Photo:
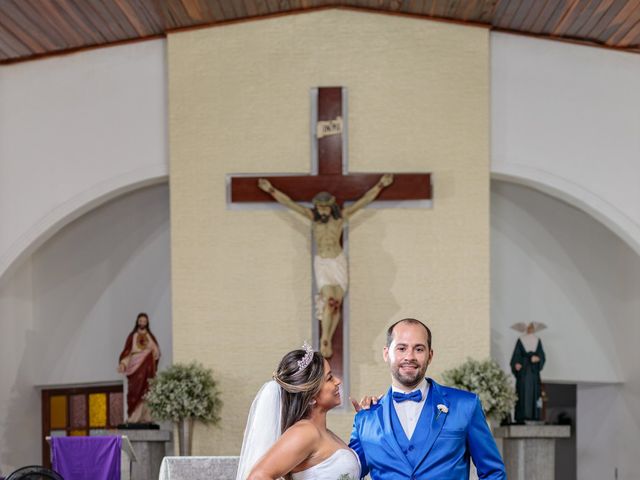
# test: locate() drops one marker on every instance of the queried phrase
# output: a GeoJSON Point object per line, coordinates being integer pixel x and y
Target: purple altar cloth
{"type": "Point", "coordinates": [86, 458]}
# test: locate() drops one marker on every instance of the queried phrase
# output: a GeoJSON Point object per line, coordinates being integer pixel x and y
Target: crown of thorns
{"type": "Point", "coordinates": [324, 199]}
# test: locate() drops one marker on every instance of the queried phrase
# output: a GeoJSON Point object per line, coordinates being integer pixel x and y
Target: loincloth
{"type": "Point", "coordinates": [331, 271]}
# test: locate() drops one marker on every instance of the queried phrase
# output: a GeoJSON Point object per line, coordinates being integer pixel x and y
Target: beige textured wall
{"type": "Point", "coordinates": [239, 102]}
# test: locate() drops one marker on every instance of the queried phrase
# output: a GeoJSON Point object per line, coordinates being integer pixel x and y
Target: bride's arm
{"type": "Point", "coordinates": [291, 449]}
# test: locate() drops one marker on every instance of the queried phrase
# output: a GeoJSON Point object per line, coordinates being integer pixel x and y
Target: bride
{"type": "Point", "coordinates": [286, 433]}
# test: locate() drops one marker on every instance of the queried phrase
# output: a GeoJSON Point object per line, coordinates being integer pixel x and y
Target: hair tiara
{"type": "Point", "coordinates": [306, 360]}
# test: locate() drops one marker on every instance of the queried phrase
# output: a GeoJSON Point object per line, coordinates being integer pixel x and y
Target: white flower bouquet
{"type": "Point", "coordinates": [489, 381]}
{"type": "Point", "coordinates": [185, 391]}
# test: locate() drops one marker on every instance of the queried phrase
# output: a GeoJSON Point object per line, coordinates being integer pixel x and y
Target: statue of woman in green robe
{"type": "Point", "coordinates": [526, 363]}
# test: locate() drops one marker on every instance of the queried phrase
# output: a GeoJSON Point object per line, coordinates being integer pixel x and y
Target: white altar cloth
{"type": "Point", "coordinates": [198, 468]}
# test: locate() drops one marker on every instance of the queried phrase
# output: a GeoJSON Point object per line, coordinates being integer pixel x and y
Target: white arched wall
{"type": "Point", "coordinates": [77, 131]}
{"type": "Point", "coordinates": [554, 263]}
{"type": "Point", "coordinates": [565, 119]}
{"type": "Point", "coordinates": [67, 309]}
{"type": "Point", "coordinates": [573, 194]}
{"type": "Point", "coordinates": [565, 230]}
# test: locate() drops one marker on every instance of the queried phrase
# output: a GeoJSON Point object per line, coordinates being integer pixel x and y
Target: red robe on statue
{"type": "Point", "coordinates": [140, 358]}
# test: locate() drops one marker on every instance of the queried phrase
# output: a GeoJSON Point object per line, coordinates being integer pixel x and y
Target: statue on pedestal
{"type": "Point", "coordinates": [526, 363]}
{"type": "Point", "coordinates": [139, 362]}
{"type": "Point", "coordinates": [330, 263]}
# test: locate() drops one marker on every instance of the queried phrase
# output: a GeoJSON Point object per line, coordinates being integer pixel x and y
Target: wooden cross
{"type": "Point", "coordinates": [331, 178]}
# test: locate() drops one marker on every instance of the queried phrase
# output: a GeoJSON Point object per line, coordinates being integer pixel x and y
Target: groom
{"type": "Point", "coordinates": [419, 429]}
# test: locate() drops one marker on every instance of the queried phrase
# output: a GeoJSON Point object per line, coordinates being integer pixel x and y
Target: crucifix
{"type": "Point", "coordinates": [328, 187]}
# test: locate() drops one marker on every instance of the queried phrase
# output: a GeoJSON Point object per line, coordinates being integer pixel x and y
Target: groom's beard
{"type": "Point", "coordinates": [412, 378]}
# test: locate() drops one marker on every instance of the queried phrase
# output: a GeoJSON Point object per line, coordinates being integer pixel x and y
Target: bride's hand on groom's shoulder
{"type": "Point", "coordinates": [366, 402]}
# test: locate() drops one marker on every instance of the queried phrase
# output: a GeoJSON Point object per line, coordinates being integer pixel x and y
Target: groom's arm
{"type": "Point", "coordinates": [354, 444]}
{"type": "Point", "coordinates": [482, 447]}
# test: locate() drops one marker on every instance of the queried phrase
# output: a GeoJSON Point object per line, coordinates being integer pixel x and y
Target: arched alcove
{"type": "Point", "coordinates": [67, 308]}
{"type": "Point", "coordinates": [555, 263]}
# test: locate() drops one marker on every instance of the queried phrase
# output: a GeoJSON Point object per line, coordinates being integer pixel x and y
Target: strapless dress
{"type": "Point", "coordinates": [343, 464]}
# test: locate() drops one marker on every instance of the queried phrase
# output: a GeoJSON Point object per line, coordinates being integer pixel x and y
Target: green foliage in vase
{"type": "Point", "coordinates": [185, 391]}
{"type": "Point", "coordinates": [489, 381]}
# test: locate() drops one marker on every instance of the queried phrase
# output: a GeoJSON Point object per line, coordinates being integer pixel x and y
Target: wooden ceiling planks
{"type": "Point", "coordinates": [628, 17]}
{"type": "Point", "coordinates": [601, 9]}
{"type": "Point", "coordinates": [43, 23]}
{"type": "Point", "coordinates": [532, 15]}
{"type": "Point", "coordinates": [140, 17]}
{"type": "Point", "coordinates": [569, 15]}
{"type": "Point", "coordinates": [487, 11]}
{"type": "Point", "coordinates": [79, 22]}
{"type": "Point", "coordinates": [523, 9]}
{"type": "Point", "coordinates": [606, 19]}
{"type": "Point", "coordinates": [632, 37]}
{"type": "Point", "coordinates": [24, 32]}
{"type": "Point", "coordinates": [587, 11]}
{"type": "Point", "coordinates": [33, 28]}
{"type": "Point", "coordinates": [11, 46]}
{"type": "Point", "coordinates": [505, 13]}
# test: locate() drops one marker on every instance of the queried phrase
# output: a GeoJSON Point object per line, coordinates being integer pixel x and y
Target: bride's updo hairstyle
{"type": "Point", "coordinates": [300, 376]}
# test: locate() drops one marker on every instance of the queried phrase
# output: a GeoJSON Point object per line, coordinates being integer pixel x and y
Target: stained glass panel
{"type": "Point", "coordinates": [116, 416]}
{"type": "Point", "coordinates": [58, 410]}
{"type": "Point", "coordinates": [78, 411]}
{"type": "Point", "coordinates": [58, 433]}
{"type": "Point", "coordinates": [98, 410]}
{"type": "Point", "coordinates": [78, 433]}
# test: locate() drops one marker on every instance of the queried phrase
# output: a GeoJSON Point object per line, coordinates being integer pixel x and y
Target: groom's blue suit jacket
{"type": "Point", "coordinates": [440, 446]}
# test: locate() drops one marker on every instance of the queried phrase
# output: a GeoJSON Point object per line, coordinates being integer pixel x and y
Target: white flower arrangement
{"type": "Point", "coordinates": [185, 391]}
{"type": "Point", "coordinates": [489, 381]}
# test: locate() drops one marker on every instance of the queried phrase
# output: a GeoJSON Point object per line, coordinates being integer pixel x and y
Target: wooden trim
{"type": "Point", "coordinates": [80, 389]}
{"type": "Point", "coordinates": [46, 428]}
{"type": "Point", "coordinates": [68, 397]}
{"type": "Point", "coordinates": [87, 414]}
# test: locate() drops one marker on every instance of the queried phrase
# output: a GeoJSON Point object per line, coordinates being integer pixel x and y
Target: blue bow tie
{"type": "Point", "coordinates": [414, 396]}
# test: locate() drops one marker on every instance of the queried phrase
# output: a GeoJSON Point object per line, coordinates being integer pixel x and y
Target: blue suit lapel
{"type": "Point", "coordinates": [437, 418]}
{"type": "Point", "coordinates": [384, 416]}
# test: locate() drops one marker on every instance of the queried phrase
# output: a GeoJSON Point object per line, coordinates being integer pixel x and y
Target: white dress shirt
{"type": "Point", "coordinates": [408, 411]}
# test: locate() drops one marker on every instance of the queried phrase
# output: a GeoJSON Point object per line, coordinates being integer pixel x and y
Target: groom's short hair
{"type": "Point", "coordinates": [410, 321]}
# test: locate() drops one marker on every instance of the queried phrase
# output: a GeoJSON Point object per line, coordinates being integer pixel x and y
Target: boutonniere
{"type": "Point", "coordinates": [442, 409]}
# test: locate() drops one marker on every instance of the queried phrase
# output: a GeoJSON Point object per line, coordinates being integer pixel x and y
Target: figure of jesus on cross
{"type": "Point", "coordinates": [329, 212]}
{"type": "Point", "coordinates": [329, 263]}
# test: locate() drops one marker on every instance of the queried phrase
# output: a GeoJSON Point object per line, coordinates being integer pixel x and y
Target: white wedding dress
{"type": "Point", "coordinates": [263, 430]}
{"type": "Point", "coordinates": [343, 464]}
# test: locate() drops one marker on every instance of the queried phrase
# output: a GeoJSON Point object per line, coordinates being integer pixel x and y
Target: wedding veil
{"type": "Point", "coordinates": [263, 427]}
